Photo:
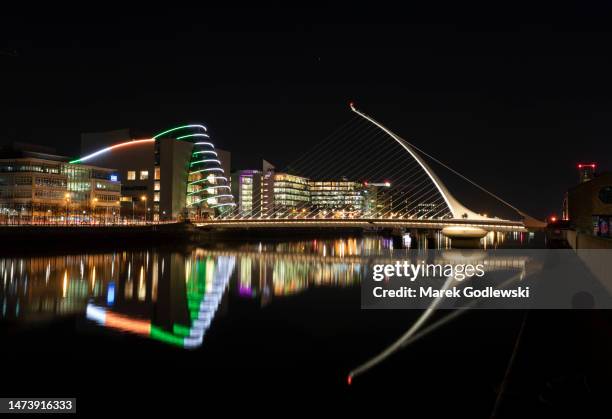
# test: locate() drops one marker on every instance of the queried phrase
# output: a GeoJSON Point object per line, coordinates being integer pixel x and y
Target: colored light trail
{"type": "Point", "coordinates": [206, 287]}
{"type": "Point", "coordinates": [197, 134]}
{"type": "Point", "coordinates": [113, 147]}
{"type": "Point", "coordinates": [179, 128]}
{"type": "Point", "coordinates": [205, 161]}
{"type": "Point", "coordinates": [199, 166]}
{"type": "Point", "coordinates": [209, 188]}
{"type": "Point", "coordinates": [209, 169]}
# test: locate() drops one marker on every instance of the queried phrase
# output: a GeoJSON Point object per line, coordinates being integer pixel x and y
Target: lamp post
{"type": "Point", "coordinates": [67, 196]}
{"type": "Point", "coordinates": [144, 199]}
{"type": "Point", "coordinates": [93, 211]}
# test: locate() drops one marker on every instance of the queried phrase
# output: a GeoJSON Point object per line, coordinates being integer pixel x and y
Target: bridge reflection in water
{"type": "Point", "coordinates": [174, 295]}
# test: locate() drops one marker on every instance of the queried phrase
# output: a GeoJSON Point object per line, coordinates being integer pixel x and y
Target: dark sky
{"type": "Point", "coordinates": [513, 103]}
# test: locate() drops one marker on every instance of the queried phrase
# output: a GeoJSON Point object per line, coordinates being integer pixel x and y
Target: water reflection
{"type": "Point", "coordinates": [174, 295]}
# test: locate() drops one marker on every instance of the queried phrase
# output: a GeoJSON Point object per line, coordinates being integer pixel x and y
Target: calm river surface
{"type": "Point", "coordinates": [262, 315]}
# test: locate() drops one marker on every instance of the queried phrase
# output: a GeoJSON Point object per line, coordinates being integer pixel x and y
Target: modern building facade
{"type": "Point", "coordinates": [377, 199]}
{"type": "Point", "coordinates": [337, 195]}
{"type": "Point", "coordinates": [247, 190]}
{"type": "Point", "coordinates": [176, 174]}
{"type": "Point", "coordinates": [284, 194]}
{"type": "Point", "coordinates": [37, 185]}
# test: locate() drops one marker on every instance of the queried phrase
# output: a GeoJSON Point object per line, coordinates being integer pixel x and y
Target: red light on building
{"type": "Point", "coordinates": [586, 171]}
{"type": "Point", "coordinates": [553, 218]}
{"type": "Point", "coordinates": [349, 379]}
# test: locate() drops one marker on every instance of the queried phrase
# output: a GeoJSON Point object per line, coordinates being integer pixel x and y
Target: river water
{"type": "Point", "coordinates": [241, 315]}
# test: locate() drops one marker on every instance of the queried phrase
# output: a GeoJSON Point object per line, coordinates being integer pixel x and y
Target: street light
{"type": "Point", "coordinates": [67, 196]}
{"type": "Point", "coordinates": [144, 199]}
{"type": "Point", "coordinates": [93, 212]}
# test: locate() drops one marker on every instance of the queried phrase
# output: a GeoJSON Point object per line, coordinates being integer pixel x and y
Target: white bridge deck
{"type": "Point", "coordinates": [492, 224]}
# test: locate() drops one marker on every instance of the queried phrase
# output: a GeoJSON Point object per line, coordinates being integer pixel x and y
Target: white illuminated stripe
{"type": "Point", "coordinates": [223, 205]}
{"type": "Point", "coordinates": [104, 150]}
{"type": "Point", "coordinates": [206, 179]}
{"type": "Point", "coordinates": [208, 188]}
{"type": "Point", "coordinates": [97, 314]}
{"type": "Point", "coordinates": [210, 303]}
{"type": "Point", "coordinates": [206, 161]}
{"type": "Point", "coordinates": [212, 169]}
{"type": "Point", "coordinates": [206, 152]}
{"type": "Point", "coordinates": [193, 135]}
{"type": "Point", "coordinates": [203, 143]}
{"type": "Point", "coordinates": [223, 196]}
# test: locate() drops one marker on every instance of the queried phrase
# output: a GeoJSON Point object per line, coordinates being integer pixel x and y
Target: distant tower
{"type": "Point", "coordinates": [586, 171]}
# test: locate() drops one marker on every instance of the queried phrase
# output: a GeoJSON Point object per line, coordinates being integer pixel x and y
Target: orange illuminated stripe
{"type": "Point", "coordinates": [104, 150]}
{"type": "Point", "coordinates": [117, 321]}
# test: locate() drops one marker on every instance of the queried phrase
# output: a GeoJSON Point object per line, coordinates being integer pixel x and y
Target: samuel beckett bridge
{"type": "Point", "coordinates": [364, 176]}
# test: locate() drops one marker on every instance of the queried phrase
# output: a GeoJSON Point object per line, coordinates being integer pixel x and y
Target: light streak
{"type": "Point", "coordinates": [205, 161]}
{"type": "Point", "coordinates": [208, 188]}
{"type": "Point", "coordinates": [107, 149]}
{"type": "Point", "coordinates": [181, 127]}
{"type": "Point", "coordinates": [194, 135]}
{"type": "Point", "coordinates": [211, 169]}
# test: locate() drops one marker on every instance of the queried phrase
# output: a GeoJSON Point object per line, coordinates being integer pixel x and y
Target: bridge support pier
{"type": "Point", "coordinates": [397, 235]}
{"type": "Point", "coordinates": [464, 237]}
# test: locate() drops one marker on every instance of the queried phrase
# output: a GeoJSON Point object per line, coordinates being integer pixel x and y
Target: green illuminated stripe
{"type": "Point", "coordinates": [178, 128]}
{"type": "Point", "coordinates": [195, 135]}
{"type": "Point", "coordinates": [167, 337]}
{"type": "Point", "coordinates": [180, 330]}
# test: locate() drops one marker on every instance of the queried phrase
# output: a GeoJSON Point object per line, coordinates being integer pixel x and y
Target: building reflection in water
{"type": "Point", "coordinates": [171, 295]}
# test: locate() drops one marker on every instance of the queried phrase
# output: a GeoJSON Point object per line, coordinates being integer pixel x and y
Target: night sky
{"type": "Point", "coordinates": [513, 103]}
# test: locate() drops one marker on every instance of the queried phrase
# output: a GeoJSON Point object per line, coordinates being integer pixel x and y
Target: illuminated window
{"type": "Point", "coordinates": [157, 174]}
{"type": "Point", "coordinates": [131, 175]}
{"type": "Point", "coordinates": [156, 197]}
{"type": "Point", "coordinates": [157, 186]}
{"type": "Point", "coordinates": [144, 174]}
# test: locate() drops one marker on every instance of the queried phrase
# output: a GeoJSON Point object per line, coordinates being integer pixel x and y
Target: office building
{"type": "Point", "coordinates": [337, 195]}
{"type": "Point", "coordinates": [246, 188]}
{"type": "Point", "coordinates": [284, 194]}
{"type": "Point", "coordinates": [377, 199]}
{"type": "Point", "coordinates": [37, 185]}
